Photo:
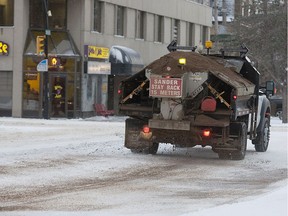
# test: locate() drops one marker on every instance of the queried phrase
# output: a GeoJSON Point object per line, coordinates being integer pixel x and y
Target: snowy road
{"type": "Point", "coordinates": [80, 167]}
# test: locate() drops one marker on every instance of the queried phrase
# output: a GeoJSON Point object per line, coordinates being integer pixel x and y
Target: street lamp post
{"type": "Point", "coordinates": [285, 99]}
{"type": "Point", "coordinates": [45, 74]}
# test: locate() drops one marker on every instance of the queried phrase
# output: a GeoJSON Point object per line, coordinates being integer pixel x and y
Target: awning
{"type": "Point", "coordinates": [124, 55]}
{"type": "Point", "coordinates": [124, 61]}
{"type": "Point", "coordinates": [60, 43]}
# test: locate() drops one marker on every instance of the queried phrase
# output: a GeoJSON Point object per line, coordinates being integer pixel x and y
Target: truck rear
{"type": "Point", "coordinates": [187, 99]}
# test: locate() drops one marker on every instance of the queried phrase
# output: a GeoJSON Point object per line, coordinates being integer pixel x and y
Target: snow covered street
{"type": "Point", "coordinates": [80, 167]}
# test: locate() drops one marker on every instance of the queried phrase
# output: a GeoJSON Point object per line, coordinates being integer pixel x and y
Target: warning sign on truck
{"type": "Point", "coordinates": [165, 87]}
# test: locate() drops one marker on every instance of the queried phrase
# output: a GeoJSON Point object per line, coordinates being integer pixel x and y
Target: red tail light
{"type": "Point", "coordinates": [146, 129]}
{"type": "Point", "coordinates": [206, 133]}
{"type": "Point", "coordinates": [234, 97]}
{"type": "Point", "coordinates": [119, 91]}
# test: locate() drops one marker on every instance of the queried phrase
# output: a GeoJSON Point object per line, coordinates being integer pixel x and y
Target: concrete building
{"type": "Point", "coordinates": [92, 45]}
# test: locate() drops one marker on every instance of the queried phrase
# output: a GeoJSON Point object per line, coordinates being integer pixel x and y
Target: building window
{"type": "Point", "coordinates": [204, 34]}
{"type": "Point", "coordinates": [7, 13]}
{"type": "Point", "coordinates": [140, 17]}
{"type": "Point", "coordinates": [120, 12]}
{"type": "Point", "coordinates": [97, 24]}
{"type": "Point", "coordinates": [158, 28]}
{"type": "Point", "coordinates": [59, 14]}
{"type": "Point", "coordinates": [190, 34]}
{"type": "Point", "coordinates": [6, 93]}
{"type": "Point", "coordinates": [175, 30]}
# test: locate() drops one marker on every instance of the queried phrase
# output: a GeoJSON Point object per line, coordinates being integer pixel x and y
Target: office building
{"type": "Point", "coordinates": [92, 45]}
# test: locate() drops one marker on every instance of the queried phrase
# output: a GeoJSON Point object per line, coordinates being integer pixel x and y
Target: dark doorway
{"type": "Point", "coordinates": [58, 96]}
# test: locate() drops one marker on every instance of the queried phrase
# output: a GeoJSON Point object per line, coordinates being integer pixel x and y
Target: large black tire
{"type": "Point", "coordinates": [224, 155]}
{"type": "Point", "coordinates": [263, 137]}
{"type": "Point", "coordinates": [240, 143]}
{"type": "Point", "coordinates": [150, 150]}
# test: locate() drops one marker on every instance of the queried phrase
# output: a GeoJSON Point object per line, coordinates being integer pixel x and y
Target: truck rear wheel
{"type": "Point", "coordinates": [149, 150]}
{"type": "Point", "coordinates": [224, 155]}
{"type": "Point", "coordinates": [240, 143]}
{"type": "Point", "coordinates": [263, 137]}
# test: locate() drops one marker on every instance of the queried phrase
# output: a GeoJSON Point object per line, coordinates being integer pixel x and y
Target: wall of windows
{"type": "Point", "coordinates": [6, 12]}
{"type": "Point", "coordinates": [131, 23]}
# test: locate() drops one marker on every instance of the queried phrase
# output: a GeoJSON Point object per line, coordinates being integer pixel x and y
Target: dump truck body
{"type": "Point", "coordinates": [208, 101]}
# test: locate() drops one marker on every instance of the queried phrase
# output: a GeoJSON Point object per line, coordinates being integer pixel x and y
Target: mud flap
{"type": "Point", "coordinates": [134, 140]}
{"type": "Point", "coordinates": [237, 149]}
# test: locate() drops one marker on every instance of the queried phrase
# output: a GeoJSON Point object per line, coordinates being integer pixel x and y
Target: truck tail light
{"type": "Point", "coordinates": [206, 133]}
{"type": "Point", "coordinates": [146, 129]}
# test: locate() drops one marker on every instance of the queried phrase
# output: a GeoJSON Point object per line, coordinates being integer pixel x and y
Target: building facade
{"type": "Point", "coordinates": [92, 45]}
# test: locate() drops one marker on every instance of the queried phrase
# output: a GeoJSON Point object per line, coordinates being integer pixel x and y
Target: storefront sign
{"type": "Point", "coordinates": [4, 49]}
{"type": "Point", "coordinates": [95, 67]}
{"type": "Point", "coordinates": [165, 87]}
{"type": "Point", "coordinates": [97, 52]}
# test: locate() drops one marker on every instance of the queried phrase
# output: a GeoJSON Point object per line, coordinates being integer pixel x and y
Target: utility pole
{"type": "Point", "coordinates": [285, 99]}
{"type": "Point", "coordinates": [285, 90]}
{"type": "Point", "coordinates": [224, 12]}
{"type": "Point", "coordinates": [215, 13]}
{"type": "Point", "coordinates": [45, 74]}
{"type": "Point", "coordinates": [238, 9]}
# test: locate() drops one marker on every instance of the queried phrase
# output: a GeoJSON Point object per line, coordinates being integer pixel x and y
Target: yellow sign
{"type": "Point", "coordinates": [208, 44]}
{"type": "Point", "coordinates": [98, 52]}
{"type": "Point", "coordinates": [4, 48]}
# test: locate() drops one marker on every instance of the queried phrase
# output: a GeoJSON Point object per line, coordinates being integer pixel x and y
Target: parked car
{"type": "Point", "coordinates": [276, 105]}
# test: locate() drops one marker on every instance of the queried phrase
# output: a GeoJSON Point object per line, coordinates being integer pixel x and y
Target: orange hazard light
{"type": "Point", "coordinates": [146, 129]}
{"type": "Point", "coordinates": [206, 133]}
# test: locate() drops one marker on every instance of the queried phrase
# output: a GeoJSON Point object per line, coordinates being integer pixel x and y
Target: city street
{"type": "Point", "coordinates": [80, 167]}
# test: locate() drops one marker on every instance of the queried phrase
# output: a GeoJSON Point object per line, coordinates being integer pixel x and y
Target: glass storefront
{"type": "Point", "coordinates": [64, 65]}
{"type": "Point", "coordinates": [63, 77]}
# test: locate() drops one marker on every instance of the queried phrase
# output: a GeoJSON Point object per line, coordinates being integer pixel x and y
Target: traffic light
{"type": "Point", "coordinates": [54, 61]}
{"type": "Point", "coordinates": [40, 45]}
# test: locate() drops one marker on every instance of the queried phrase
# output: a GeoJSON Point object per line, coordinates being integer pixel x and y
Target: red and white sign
{"type": "Point", "coordinates": [165, 87]}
